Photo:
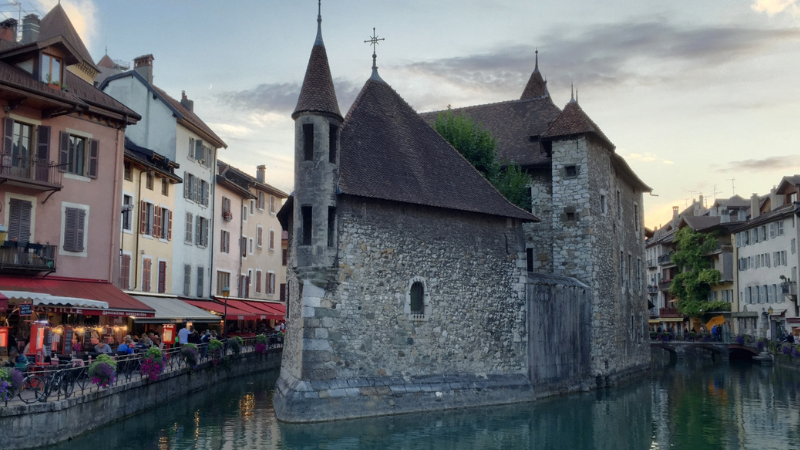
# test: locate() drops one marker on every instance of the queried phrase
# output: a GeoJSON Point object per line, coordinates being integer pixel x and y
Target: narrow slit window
{"type": "Point", "coordinates": [305, 211]}
{"type": "Point", "coordinates": [333, 137]}
{"type": "Point", "coordinates": [417, 298]}
{"type": "Point", "coordinates": [308, 141]}
{"type": "Point", "coordinates": [529, 254]}
{"type": "Point", "coordinates": [572, 171]}
{"type": "Point", "coordinates": [331, 225]}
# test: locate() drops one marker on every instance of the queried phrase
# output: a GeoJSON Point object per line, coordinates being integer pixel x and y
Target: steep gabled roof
{"type": "Point", "coordinates": [318, 94]}
{"type": "Point", "coordinates": [574, 121]}
{"type": "Point", "coordinates": [56, 23]}
{"type": "Point", "coordinates": [536, 87]}
{"type": "Point", "coordinates": [190, 117]}
{"type": "Point", "coordinates": [389, 152]}
{"type": "Point", "coordinates": [515, 125]}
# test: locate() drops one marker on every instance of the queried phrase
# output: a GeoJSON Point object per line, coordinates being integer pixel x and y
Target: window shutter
{"type": "Point", "coordinates": [143, 217]}
{"type": "Point", "coordinates": [70, 223]}
{"type": "Point", "coordinates": [14, 212]}
{"type": "Point", "coordinates": [198, 233]}
{"type": "Point", "coordinates": [198, 151]}
{"type": "Point", "coordinates": [185, 184]}
{"type": "Point", "coordinates": [187, 279]}
{"type": "Point", "coordinates": [79, 235]}
{"type": "Point", "coordinates": [157, 222]}
{"type": "Point", "coordinates": [260, 236]}
{"type": "Point", "coordinates": [125, 272]}
{"type": "Point", "coordinates": [205, 232]}
{"type": "Point", "coordinates": [169, 224]}
{"type": "Point", "coordinates": [196, 195]}
{"type": "Point", "coordinates": [200, 272]}
{"type": "Point", "coordinates": [227, 242]}
{"type": "Point", "coordinates": [207, 189]}
{"type": "Point", "coordinates": [258, 281]}
{"type": "Point", "coordinates": [94, 155]}
{"type": "Point", "coordinates": [63, 159]}
{"type": "Point", "coordinates": [189, 229]}
{"type": "Point", "coordinates": [42, 152]}
{"type": "Point", "coordinates": [8, 135]}
{"type": "Point", "coordinates": [162, 277]}
{"type": "Point", "coordinates": [191, 148]}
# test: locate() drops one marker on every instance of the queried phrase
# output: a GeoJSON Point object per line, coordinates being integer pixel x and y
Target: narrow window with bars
{"type": "Point", "coordinates": [308, 141]}
{"type": "Point", "coordinates": [305, 212]}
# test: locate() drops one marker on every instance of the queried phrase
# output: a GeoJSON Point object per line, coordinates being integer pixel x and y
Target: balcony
{"type": "Point", "coordinates": [665, 259]}
{"type": "Point", "coordinates": [652, 289]}
{"type": "Point", "coordinates": [664, 285]}
{"type": "Point", "coordinates": [653, 312]}
{"type": "Point", "coordinates": [668, 312]}
{"type": "Point", "coordinates": [32, 173]}
{"type": "Point", "coordinates": [789, 288]}
{"type": "Point", "coordinates": [27, 258]}
{"type": "Point", "coordinates": [651, 264]}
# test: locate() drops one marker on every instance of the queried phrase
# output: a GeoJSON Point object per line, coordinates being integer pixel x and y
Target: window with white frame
{"type": "Point", "coordinates": [261, 200]}
{"type": "Point", "coordinates": [225, 242]}
{"type": "Point", "coordinates": [252, 206]}
{"type": "Point", "coordinates": [270, 283]}
{"type": "Point", "coordinates": [259, 236]}
{"type": "Point", "coordinates": [147, 274]}
{"type": "Point", "coordinates": [244, 213]}
{"type": "Point", "coordinates": [189, 233]}
{"type": "Point", "coordinates": [271, 239]}
{"type": "Point", "coordinates": [127, 212]}
{"type": "Point", "coordinates": [272, 204]}
{"type": "Point", "coordinates": [258, 281]}
{"type": "Point", "coordinates": [251, 241]}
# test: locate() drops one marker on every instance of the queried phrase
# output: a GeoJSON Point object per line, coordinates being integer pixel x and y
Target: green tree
{"type": "Point", "coordinates": [695, 278]}
{"type": "Point", "coordinates": [478, 147]}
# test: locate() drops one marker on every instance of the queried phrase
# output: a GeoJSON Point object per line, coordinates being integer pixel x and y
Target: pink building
{"type": "Point", "coordinates": [60, 175]}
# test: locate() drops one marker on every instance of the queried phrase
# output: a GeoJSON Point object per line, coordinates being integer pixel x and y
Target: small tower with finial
{"type": "Point", "coordinates": [317, 123]}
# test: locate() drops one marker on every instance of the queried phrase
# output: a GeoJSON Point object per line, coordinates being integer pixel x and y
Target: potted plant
{"type": "Point", "coordinates": [103, 371]}
{"type": "Point", "coordinates": [216, 349]}
{"type": "Point", "coordinates": [261, 344]}
{"type": "Point", "coordinates": [10, 383]}
{"type": "Point", "coordinates": [190, 355]}
{"type": "Point", "coordinates": [153, 364]}
{"type": "Point", "coordinates": [236, 344]}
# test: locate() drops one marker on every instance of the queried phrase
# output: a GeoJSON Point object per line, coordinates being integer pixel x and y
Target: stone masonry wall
{"type": "Point", "coordinates": [473, 270]}
{"type": "Point", "coordinates": [538, 235]}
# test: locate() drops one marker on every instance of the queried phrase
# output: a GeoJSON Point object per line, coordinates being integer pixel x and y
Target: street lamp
{"type": "Point", "coordinates": [226, 291]}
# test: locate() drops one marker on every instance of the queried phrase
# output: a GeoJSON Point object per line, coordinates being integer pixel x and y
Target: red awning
{"type": "Point", "coordinates": [264, 310]}
{"type": "Point", "coordinates": [119, 303]}
{"type": "Point", "coordinates": [234, 313]}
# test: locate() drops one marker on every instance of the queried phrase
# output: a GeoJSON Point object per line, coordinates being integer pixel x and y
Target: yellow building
{"type": "Point", "coordinates": [148, 199]}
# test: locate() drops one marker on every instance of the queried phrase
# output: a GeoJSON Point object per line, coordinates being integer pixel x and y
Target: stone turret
{"type": "Point", "coordinates": [537, 86]}
{"type": "Point", "coordinates": [317, 124]}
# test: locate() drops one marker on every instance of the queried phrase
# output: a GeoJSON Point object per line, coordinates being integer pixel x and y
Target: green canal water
{"type": "Point", "coordinates": [696, 404]}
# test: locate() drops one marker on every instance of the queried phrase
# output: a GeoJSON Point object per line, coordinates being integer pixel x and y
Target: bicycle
{"type": "Point", "coordinates": [39, 386]}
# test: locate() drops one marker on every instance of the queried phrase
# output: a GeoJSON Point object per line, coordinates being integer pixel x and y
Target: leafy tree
{"type": "Point", "coordinates": [478, 147]}
{"type": "Point", "coordinates": [695, 278]}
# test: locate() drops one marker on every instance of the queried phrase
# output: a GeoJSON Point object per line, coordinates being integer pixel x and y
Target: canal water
{"type": "Point", "coordinates": [695, 404]}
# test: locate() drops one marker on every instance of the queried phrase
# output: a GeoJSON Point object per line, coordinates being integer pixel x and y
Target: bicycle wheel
{"type": "Point", "coordinates": [67, 384]}
{"type": "Point", "coordinates": [32, 389]}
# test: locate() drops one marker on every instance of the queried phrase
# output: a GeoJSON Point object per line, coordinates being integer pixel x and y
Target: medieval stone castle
{"type": "Point", "coordinates": [414, 285]}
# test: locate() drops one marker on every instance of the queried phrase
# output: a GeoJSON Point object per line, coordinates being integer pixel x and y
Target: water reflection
{"type": "Point", "coordinates": [697, 404]}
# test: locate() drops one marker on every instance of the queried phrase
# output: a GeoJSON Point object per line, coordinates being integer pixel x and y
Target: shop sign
{"type": "Point", "coordinates": [68, 341]}
{"type": "Point", "coordinates": [25, 309]}
{"type": "Point", "coordinates": [91, 312]}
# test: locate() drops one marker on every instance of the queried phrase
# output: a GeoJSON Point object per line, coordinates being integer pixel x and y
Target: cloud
{"type": "Point", "coordinates": [772, 163]}
{"type": "Point", "coordinates": [772, 7]}
{"type": "Point", "coordinates": [82, 14]}
{"type": "Point", "coordinates": [281, 98]}
{"type": "Point", "coordinates": [647, 158]}
{"type": "Point", "coordinates": [607, 54]}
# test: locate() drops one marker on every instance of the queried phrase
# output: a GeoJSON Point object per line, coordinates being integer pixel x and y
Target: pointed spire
{"type": "Point", "coordinates": [373, 41]}
{"type": "Point", "coordinates": [536, 87]}
{"type": "Point", "coordinates": [318, 94]}
{"type": "Point", "coordinates": [576, 96]}
{"type": "Point", "coordinates": [319, 24]}
{"type": "Point", "coordinates": [572, 93]}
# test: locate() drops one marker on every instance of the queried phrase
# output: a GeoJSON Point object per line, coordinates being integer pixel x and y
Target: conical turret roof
{"type": "Point", "coordinates": [536, 87]}
{"type": "Point", "coordinates": [389, 152]}
{"type": "Point", "coordinates": [574, 121]}
{"type": "Point", "coordinates": [56, 23]}
{"type": "Point", "coordinates": [318, 94]}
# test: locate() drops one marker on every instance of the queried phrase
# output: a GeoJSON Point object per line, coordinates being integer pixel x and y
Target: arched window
{"type": "Point", "coordinates": [417, 298]}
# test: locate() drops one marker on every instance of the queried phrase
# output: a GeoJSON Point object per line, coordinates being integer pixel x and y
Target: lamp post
{"type": "Point", "coordinates": [226, 291]}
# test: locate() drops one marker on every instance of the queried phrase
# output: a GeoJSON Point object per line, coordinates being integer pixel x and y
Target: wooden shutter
{"type": "Point", "coordinates": [19, 218]}
{"type": "Point", "coordinates": [191, 148]}
{"type": "Point", "coordinates": [70, 223]}
{"type": "Point", "coordinates": [260, 236]}
{"type": "Point", "coordinates": [146, 274]}
{"type": "Point", "coordinates": [258, 281]}
{"type": "Point", "coordinates": [198, 151]}
{"type": "Point", "coordinates": [222, 241]}
{"type": "Point", "coordinates": [205, 232]}
{"type": "Point", "coordinates": [283, 292]}
{"type": "Point", "coordinates": [63, 159]}
{"type": "Point", "coordinates": [186, 184]}
{"type": "Point", "coordinates": [8, 135]}
{"type": "Point", "coordinates": [13, 218]}
{"type": "Point", "coordinates": [198, 232]}
{"type": "Point", "coordinates": [271, 239]}
{"type": "Point", "coordinates": [143, 218]}
{"type": "Point", "coordinates": [157, 231]}
{"type": "Point", "coordinates": [207, 188]}
{"type": "Point", "coordinates": [189, 229]}
{"type": "Point", "coordinates": [187, 279]}
{"type": "Point", "coordinates": [94, 155]}
{"type": "Point", "coordinates": [162, 277]}
{"type": "Point", "coordinates": [169, 224]}
{"type": "Point", "coordinates": [42, 153]}
{"type": "Point", "coordinates": [79, 235]}
{"type": "Point", "coordinates": [125, 272]}
{"type": "Point", "coordinates": [197, 192]}
{"type": "Point", "coordinates": [200, 273]}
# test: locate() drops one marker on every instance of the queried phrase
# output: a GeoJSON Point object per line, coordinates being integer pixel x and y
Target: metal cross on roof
{"type": "Point", "coordinates": [373, 41]}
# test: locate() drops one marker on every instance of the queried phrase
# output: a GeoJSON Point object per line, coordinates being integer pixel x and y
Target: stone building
{"type": "Point", "coordinates": [408, 283]}
{"type": "Point", "coordinates": [590, 205]}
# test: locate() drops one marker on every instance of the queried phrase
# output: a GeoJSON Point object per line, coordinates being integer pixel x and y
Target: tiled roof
{"type": "Point", "coordinates": [698, 223]}
{"type": "Point", "coordinates": [513, 124]}
{"type": "Point", "coordinates": [574, 121]}
{"type": "Point", "coordinates": [252, 180]}
{"type": "Point", "coordinates": [190, 116]}
{"type": "Point", "coordinates": [389, 152]}
{"type": "Point", "coordinates": [734, 202]}
{"type": "Point", "coordinates": [56, 23]}
{"type": "Point", "coordinates": [20, 79]}
{"type": "Point", "coordinates": [106, 62]}
{"type": "Point", "coordinates": [317, 94]}
{"type": "Point", "coordinates": [769, 216]}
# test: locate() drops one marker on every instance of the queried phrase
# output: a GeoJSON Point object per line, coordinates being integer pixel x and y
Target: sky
{"type": "Point", "coordinates": [699, 96]}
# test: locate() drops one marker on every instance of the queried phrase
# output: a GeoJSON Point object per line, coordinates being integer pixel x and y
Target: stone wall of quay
{"type": "Point", "coordinates": [40, 424]}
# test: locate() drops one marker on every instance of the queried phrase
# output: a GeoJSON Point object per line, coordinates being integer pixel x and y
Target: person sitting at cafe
{"type": "Point", "coordinates": [102, 347]}
{"type": "Point", "coordinates": [126, 347]}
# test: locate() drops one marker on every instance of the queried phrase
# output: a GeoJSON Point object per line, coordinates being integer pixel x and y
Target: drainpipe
{"type": "Point", "coordinates": [138, 229]}
{"type": "Point", "coordinates": [241, 250]}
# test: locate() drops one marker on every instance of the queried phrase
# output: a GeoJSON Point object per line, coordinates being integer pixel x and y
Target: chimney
{"type": "Point", "coordinates": [754, 209]}
{"type": "Point", "coordinates": [712, 212]}
{"type": "Point", "coordinates": [775, 200]}
{"type": "Point", "coordinates": [260, 173]}
{"type": "Point", "coordinates": [674, 212]}
{"type": "Point", "coordinates": [30, 29]}
{"type": "Point", "coordinates": [8, 30]}
{"type": "Point", "coordinates": [724, 215]}
{"type": "Point", "coordinates": [188, 104]}
{"type": "Point", "coordinates": [143, 65]}
{"type": "Point", "coordinates": [742, 215]}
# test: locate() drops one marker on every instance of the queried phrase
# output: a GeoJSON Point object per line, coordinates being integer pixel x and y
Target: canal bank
{"type": "Point", "coordinates": [40, 424]}
{"type": "Point", "coordinates": [695, 404]}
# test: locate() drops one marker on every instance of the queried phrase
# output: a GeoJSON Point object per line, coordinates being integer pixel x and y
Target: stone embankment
{"type": "Point", "coordinates": [39, 424]}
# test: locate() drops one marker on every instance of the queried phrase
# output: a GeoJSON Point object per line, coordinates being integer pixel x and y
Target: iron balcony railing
{"type": "Point", "coordinates": [651, 263]}
{"type": "Point", "coordinates": [32, 171]}
{"type": "Point", "coordinates": [16, 256]}
{"type": "Point", "coordinates": [652, 289]}
{"type": "Point", "coordinates": [664, 285]}
{"type": "Point", "coordinates": [668, 312]}
{"type": "Point", "coordinates": [665, 259]}
{"type": "Point", "coordinates": [654, 311]}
